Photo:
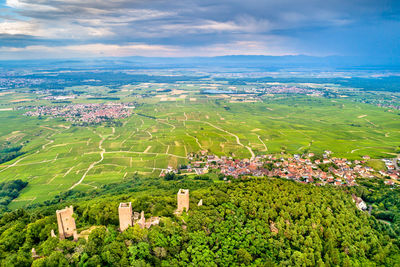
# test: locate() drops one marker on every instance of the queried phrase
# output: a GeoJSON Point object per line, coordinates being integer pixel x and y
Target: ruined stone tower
{"type": "Point", "coordinates": [126, 218]}
{"type": "Point", "coordinates": [66, 223]}
{"type": "Point", "coordinates": [125, 215]}
{"type": "Point", "coordinates": [183, 200]}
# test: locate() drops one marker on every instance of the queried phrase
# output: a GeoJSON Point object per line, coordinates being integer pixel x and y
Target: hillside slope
{"type": "Point", "coordinates": [259, 221]}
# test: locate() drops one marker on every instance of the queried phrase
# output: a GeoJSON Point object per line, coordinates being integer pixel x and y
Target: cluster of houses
{"type": "Point", "coordinates": [393, 106]}
{"type": "Point", "coordinates": [84, 113]}
{"type": "Point", "coordinates": [275, 89]}
{"type": "Point", "coordinates": [283, 89]}
{"type": "Point", "coordinates": [392, 171]}
{"type": "Point", "coordinates": [304, 169]}
{"type": "Point", "coordinates": [8, 81]}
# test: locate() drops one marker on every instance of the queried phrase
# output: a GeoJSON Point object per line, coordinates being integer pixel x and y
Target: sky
{"type": "Point", "coordinates": [32, 29]}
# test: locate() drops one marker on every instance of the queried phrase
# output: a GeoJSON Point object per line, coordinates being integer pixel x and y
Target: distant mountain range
{"type": "Point", "coordinates": [233, 61]}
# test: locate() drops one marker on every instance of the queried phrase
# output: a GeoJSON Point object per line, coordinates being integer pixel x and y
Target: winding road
{"type": "Point", "coordinates": [93, 164]}
{"type": "Point", "coordinates": [232, 134]}
{"type": "Point", "coordinates": [259, 138]}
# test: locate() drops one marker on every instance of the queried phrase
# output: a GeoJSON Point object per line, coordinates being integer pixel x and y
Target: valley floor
{"type": "Point", "coordinates": [60, 156]}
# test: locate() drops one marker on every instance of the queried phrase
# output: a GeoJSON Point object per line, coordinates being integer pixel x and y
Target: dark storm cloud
{"type": "Point", "coordinates": [263, 25]}
{"type": "Point", "coordinates": [22, 40]}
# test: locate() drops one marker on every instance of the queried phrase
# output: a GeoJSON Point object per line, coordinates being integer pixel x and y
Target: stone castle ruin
{"type": "Point", "coordinates": [183, 201]}
{"type": "Point", "coordinates": [127, 218]}
{"type": "Point", "coordinates": [66, 223]}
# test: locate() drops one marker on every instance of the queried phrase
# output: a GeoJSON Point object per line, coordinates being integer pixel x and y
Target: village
{"type": "Point", "coordinates": [84, 113]}
{"type": "Point", "coordinates": [300, 168]}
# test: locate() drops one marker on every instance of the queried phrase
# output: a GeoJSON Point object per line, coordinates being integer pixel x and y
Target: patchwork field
{"type": "Point", "coordinates": [60, 156]}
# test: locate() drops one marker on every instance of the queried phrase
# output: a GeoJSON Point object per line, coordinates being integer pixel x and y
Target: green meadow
{"type": "Point", "coordinates": [159, 134]}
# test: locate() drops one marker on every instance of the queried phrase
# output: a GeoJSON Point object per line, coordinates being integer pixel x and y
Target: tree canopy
{"type": "Point", "coordinates": [254, 221]}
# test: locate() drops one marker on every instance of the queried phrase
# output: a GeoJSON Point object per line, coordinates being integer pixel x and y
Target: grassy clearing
{"type": "Point", "coordinates": [376, 164]}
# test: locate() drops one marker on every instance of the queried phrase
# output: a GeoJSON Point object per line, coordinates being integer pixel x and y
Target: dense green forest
{"type": "Point", "coordinates": [9, 191]}
{"type": "Point", "coordinates": [384, 200]}
{"type": "Point", "coordinates": [259, 221]}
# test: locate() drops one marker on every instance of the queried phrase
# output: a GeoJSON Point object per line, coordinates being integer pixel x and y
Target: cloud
{"type": "Point", "coordinates": [141, 49]}
{"type": "Point", "coordinates": [88, 50]}
{"type": "Point", "coordinates": [205, 26]}
{"type": "Point", "coordinates": [17, 4]}
{"type": "Point", "coordinates": [16, 27]}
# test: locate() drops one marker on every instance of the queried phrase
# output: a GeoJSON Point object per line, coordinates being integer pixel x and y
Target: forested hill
{"type": "Point", "coordinates": [258, 221]}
